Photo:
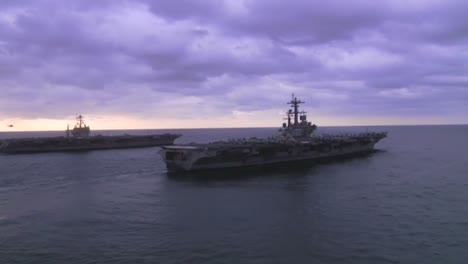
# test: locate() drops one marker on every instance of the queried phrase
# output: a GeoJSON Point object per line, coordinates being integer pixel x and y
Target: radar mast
{"type": "Point", "coordinates": [300, 128]}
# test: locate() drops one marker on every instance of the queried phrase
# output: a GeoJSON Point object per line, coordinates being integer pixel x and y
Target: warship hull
{"type": "Point", "coordinates": [196, 158]}
{"type": "Point", "coordinates": [65, 144]}
{"type": "Point", "coordinates": [294, 144]}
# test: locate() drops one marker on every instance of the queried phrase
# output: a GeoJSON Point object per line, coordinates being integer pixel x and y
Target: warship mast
{"type": "Point", "coordinates": [294, 104]}
{"type": "Point", "coordinates": [301, 128]}
{"type": "Point", "coordinates": [81, 130]}
{"type": "Point", "coordinates": [80, 122]}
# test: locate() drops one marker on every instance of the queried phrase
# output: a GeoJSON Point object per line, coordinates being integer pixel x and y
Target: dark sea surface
{"type": "Point", "coordinates": [405, 204]}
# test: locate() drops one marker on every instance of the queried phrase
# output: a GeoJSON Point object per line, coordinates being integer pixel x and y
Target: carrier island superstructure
{"type": "Point", "coordinates": [295, 142]}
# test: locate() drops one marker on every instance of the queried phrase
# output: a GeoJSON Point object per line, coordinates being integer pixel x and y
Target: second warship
{"type": "Point", "coordinates": [79, 139]}
{"type": "Point", "coordinates": [295, 143]}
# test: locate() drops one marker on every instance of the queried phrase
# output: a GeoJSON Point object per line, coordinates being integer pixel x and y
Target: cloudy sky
{"type": "Point", "coordinates": [231, 63]}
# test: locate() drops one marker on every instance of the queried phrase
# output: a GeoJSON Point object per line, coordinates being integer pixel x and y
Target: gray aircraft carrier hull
{"type": "Point", "coordinates": [64, 144]}
{"type": "Point", "coordinates": [200, 158]}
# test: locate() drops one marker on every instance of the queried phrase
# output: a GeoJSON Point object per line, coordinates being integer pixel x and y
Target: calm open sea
{"type": "Point", "coordinates": [405, 204]}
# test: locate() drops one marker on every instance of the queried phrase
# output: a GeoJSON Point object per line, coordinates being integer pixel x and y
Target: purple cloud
{"type": "Point", "coordinates": [365, 58]}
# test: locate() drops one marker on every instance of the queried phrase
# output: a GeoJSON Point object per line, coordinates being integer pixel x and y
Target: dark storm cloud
{"type": "Point", "coordinates": [297, 22]}
{"type": "Point", "coordinates": [356, 57]}
{"type": "Point", "coordinates": [187, 9]}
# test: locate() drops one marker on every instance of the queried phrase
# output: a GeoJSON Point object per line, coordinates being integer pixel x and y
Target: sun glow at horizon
{"type": "Point", "coordinates": [236, 119]}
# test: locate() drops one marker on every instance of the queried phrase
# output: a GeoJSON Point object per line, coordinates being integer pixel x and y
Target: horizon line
{"type": "Point", "coordinates": [187, 128]}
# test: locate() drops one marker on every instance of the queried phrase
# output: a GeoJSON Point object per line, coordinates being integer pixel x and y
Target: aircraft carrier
{"type": "Point", "coordinates": [79, 139]}
{"type": "Point", "coordinates": [295, 142]}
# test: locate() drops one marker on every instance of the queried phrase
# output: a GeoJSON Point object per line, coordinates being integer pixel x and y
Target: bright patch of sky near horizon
{"type": "Point", "coordinates": [188, 63]}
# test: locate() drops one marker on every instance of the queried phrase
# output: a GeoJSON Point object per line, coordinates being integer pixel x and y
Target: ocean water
{"type": "Point", "coordinates": [407, 203]}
